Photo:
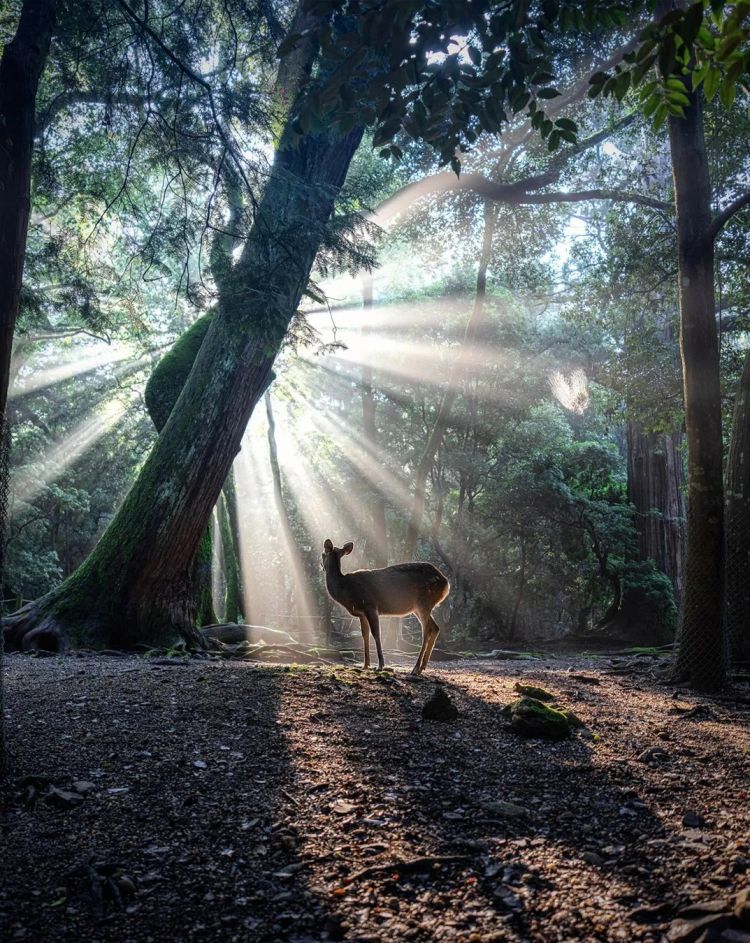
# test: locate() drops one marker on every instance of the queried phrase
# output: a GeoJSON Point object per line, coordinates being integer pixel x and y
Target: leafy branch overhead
{"type": "Point", "coordinates": [443, 73]}
{"type": "Point", "coordinates": [705, 45]}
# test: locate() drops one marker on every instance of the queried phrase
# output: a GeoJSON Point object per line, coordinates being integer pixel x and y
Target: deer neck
{"type": "Point", "coordinates": [335, 579]}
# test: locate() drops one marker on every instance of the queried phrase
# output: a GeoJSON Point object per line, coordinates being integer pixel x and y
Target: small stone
{"type": "Point", "coordinates": [742, 907]}
{"type": "Point", "coordinates": [651, 914]}
{"type": "Point", "coordinates": [83, 786]}
{"type": "Point", "coordinates": [199, 764]}
{"type": "Point", "coordinates": [343, 807]}
{"type": "Point", "coordinates": [703, 908]}
{"type": "Point", "coordinates": [62, 798]}
{"type": "Point", "coordinates": [689, 931]}
{"type": "Point", "coordinates": [591, 857]}
{"type": "Point", "coordinates": [653, 755]}
{"type": "Point", "coordinates": [507, 809]}
{"type": "Point", "coordinates": [440, 707]}
{"type": "Point", "coordinates": [693, 820]}
{"type": "Point", "coordinates": [739, 864]}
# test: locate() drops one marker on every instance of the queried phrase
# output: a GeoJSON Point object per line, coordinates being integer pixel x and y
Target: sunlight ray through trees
{"type": "Point", "coordinates": [61, 455]}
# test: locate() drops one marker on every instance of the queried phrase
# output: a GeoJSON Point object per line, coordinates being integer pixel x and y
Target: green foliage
{"type": "Point", "coordinates": [443, 73]}
{"type": "Point", "coordinates": [705, 45]}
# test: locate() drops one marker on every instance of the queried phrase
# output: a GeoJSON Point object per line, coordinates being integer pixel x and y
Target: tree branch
{"type": "Point", "coordinates": [721, 219]}
{"type": "Point", "coordinates": [515, 194]}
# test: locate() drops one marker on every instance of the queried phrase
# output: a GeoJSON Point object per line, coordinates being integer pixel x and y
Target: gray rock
{"type": "Point", "coordinates": [83, 787]}
{"type": "Point", "coordinates": [62, 798]}
{"type": "Point", "coordinates": [689, 931]}
{"type": "Point", "coordinates": [742, 907]}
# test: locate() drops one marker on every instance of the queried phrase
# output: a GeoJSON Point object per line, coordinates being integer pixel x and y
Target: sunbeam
{"type": "Point", "coordinates": [76, 362]}
{"type": "Point", "coordinates": [31, 479]}
{"type": "Point", "coordinates": [277, 584]}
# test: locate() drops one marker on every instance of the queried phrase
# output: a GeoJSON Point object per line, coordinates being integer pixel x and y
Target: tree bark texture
{"type": "Point", "coordinates": [21, 69]}
{"type": "Point", "coordinates": [229, 524]}
{"type": "Point", "coordinates": [136, 581]}
{"type": "Point", "coordinates": [738, 524]}
{"type": "Point", "coordinates": [162, 392]}
{"type": "Point", "coordinates": [702, 657]}
{"type": "Point", "coordinates": [655, 489]}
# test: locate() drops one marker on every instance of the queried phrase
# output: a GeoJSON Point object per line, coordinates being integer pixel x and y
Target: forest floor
{"type": "Point", "coordinates": [201, 800]}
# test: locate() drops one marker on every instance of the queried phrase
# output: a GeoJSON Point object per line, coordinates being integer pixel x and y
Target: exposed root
{"type": "Point", "coordinates": [29, 629]}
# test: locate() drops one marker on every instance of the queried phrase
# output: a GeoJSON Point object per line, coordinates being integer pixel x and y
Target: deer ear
{"type": "Point", "coordinates": [328, 546]}
{"type": "Point", "coordinates": [347, 548]}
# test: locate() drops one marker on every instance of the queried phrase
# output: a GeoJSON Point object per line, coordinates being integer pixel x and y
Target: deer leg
{"type": "Point", "coordinates": [374, 620]}
{"type": "Point", "coordinates": [424, 622]}
{"type": "Point", "coordinates": [433, 630]}
{"type": "Point", "coordinates": [365, 626]}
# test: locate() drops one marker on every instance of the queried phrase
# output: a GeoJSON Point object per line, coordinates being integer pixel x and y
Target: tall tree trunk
{"type": "Point", "coordinates": [235, 601]}
{"type": "Point", "coordinates": [21, 68]}
{"type": "Point", "coordinates": [655, 482]}
{"type": "Point", "coordinates": [702, 658]}
{"type": "Point", "coordinates": [520, 591]}
{"type": "Point", "coordinates": [162, 392]}
{"type": "Point", "coordinates": [299, 575]}
{"type": "Point", "coordinates": [442, 418]}
{"type": "Point", "coordinates": [738, 524]}
{"type": "Point", "coordinates": [378, 541]}
{"type": "Point", "coordinates": [136, 582]}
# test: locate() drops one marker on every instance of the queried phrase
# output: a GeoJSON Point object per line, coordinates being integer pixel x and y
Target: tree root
{"type": "Point", "coordinates": [29, 629]}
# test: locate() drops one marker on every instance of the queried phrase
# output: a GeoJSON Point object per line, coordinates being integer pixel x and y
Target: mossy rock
{"type": "Point", "coordinates": [530, 690]}
{"type": "Point", "coordinates": [529, 717]}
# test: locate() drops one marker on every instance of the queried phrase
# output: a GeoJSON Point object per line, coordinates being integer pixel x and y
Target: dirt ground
{"type": "Point", "coordinates": [202, 800]}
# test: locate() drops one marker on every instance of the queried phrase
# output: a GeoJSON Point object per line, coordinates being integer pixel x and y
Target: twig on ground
{"type": "Point", "coordinates": [404, 867]}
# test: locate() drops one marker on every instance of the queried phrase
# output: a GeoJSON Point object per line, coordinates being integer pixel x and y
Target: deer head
{"type": "Point", "coordinates": [331, 556]}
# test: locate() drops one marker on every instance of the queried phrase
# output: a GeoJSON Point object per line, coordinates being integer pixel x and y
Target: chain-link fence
{"type": "Point", "coordinates": [738, 579]}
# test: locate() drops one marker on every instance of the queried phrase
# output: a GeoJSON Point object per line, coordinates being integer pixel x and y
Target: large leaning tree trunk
{"type": "Point", "coordinates": [655, 483]}
{"type": "Point", "coordinates": [738, 525]}
{"type": "Point", "coordinates": [702, 658]}
{"type": "Point", "coordinates": [135, 585]}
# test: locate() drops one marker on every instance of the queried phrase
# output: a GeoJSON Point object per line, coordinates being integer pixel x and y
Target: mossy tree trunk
{"type": "Point", "coordinates": [162, 392]}
{"type": "Point", "coordinates": [234, 605]}
{"type": "Point", "coordinates": [136, 583]}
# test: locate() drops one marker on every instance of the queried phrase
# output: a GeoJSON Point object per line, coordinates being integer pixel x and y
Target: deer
{"type": "Point", "coordinates": [400, 590]}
